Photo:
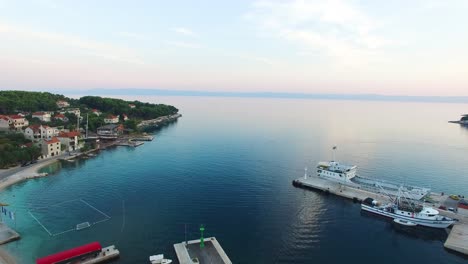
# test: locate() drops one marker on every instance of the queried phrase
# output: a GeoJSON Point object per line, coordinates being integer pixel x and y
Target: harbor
{"type": "Point", "coordinates": [457, 240]}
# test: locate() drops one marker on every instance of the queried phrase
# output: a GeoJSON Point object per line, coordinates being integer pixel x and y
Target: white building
{"type": "Point", "coordinates": [132, 106]}
{"type": "Point", "coordinates": [125, 117]}
{"type": "Point", "coordinates": [70, 140]}
{"type": "Point", "coordinates": [50, 148]}
{"type": "Point", "coordinates": [62, 104]}
{"type": "Point", "coordinates": [111, 119]}
{"type": "Point", "coordinates": [4, 123]}
{"type": "Point", "coordinates": [38, 132]}
{"type": "Point", "coordinates": [43, 116]}
{"type": "Point", "coordinates": [17, 121]}
{"type": "Point", "coordinates": [96, 112]}
{"type": "Point", "coordinates": [75, 111]}
{"type": "Point", "coordinates": [61, 117]}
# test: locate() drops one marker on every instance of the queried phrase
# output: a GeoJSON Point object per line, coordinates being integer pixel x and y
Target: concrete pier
{"type": "Point", "coordinates": [7, 234]}
{"type": "Point", "coordinates": [106, 254]}
{"type": "Point", "coordinates": [191, 253]}
{"type": "Point", "coordinates": [457, 239]}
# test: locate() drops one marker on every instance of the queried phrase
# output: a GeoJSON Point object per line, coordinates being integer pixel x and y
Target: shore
{"type": "Point", "coordinates": [29, 172]}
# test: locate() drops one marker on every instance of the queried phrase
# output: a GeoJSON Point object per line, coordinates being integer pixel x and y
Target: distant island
{"type": "Point", "coordinates": [35, 125]}
{"type": "Point", "coordinates": [463, 120]}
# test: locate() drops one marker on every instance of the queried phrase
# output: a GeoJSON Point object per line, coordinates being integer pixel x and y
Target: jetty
{"type": "Point", "coordinates": [458, 236]}
{"type": "Point", "coordinates": [207, 250]}
{"type": "Point", "coordinates": [7, 234]}
{"type": "Point", "coordinates": [158, 121]}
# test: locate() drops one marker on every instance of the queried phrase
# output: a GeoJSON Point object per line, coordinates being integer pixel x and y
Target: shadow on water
{"type": "Point", "coordinates": [416, 232]}
{"type": "Point", "coordinates": [162, 127]}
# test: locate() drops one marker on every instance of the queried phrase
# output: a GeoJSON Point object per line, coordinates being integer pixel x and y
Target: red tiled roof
{"type": "Point", "coordinates": [95, 110]}
{"type": "Point", "coordinates": [52, 141]}
{"type": "Point", "coordinates": [69, 134]}
{"type": "Point", "coordinates": [16, 117]}
{"type": "Point", "coordinates": [59, 116]}
{"type": "Point", "coordinates": [4, 117]}
{"type": "Point", "coordinates": [70, 253]}
{"type": "Point", "coordinates": [38, 114]}
{"type": "Point", "coordinates": [111, 117]}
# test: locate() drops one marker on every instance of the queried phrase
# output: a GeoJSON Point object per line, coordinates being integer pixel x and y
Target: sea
{"type": "Point", "coordinates": [228, 164]}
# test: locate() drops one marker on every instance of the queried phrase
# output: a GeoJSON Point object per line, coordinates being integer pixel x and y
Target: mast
{"type": "Point", "coordinates": [334, 150]}
{"type": "Point", "coordinates": [305, 173]}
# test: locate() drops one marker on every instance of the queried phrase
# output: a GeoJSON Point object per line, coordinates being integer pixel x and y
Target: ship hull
{"type": "Point", "coordinates": [419, 221]}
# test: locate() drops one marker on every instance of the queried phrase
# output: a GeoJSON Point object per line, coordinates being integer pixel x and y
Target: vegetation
{"type": "Point", "coordinates": [11, 152]}
{"type": "Point", "coordinates": [14, 101]}
{"type": "Point", "coordinates": [120, 107]}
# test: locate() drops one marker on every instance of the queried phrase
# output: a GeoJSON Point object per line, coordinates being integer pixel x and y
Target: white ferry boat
{"type": "Point", "coordinates": [408, 212]}
{"type": "Point", "coordinates": [347, 175]}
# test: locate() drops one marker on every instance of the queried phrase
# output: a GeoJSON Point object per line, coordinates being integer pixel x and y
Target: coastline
{"type": "Point", "coordinates": [30, 172]}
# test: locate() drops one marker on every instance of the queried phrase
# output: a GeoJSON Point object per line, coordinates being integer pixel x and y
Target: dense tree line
{"type": "Point", "coordinates": [119, 107]}
{"type": "Point", "coordinates": [14, 101]}
{"type": "Point", "coordinates": [12, 154]}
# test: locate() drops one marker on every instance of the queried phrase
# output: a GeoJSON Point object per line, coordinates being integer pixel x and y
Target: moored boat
{"type": "Point", "coordinates": [404, 222]}
{"type": "Point", "coordinates": [409, 211]}
{"type": "Point", "coordinates": [159, 259]}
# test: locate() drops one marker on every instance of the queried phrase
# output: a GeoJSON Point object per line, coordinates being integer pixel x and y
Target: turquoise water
{"type": "Point", "coordinates": [228, 163]}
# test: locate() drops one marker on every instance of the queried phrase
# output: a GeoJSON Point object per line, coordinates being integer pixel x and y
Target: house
{"type": "Point", "coordinates": [75, 111]}
{"type": "Point", "coordinates": [111, 131]}
{"type": "Point", "coordinates": [70, 140]}
{"type": "Point", "coordinates": [50, 147]}
{"type": "Point", "coordinates": [38, 132]}
{"type": "Point", "coordinates": [43, 116]}
{"type": "Point", "coordinates": [4, 123]}
{"type": "Point", "coordinates": [26, 145]}
{"type": "Point", "coordinates": [132, 106]}
{"type": "Point", "coordinates": [125, 117]}
{"type": "Point", "coordinates": [61, 117]}
{"type": "Point", "coordinates": [111, 119]}
{"type": "Point", "coordinates": [62, 104]}
{"type": "Point", "coordinates": [96, 112]}
{"type": "Point", "coordinates": [17, 121]}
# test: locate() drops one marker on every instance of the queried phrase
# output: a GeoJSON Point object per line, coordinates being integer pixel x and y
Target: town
{"type": "Point", "coordinates": [71, 128]}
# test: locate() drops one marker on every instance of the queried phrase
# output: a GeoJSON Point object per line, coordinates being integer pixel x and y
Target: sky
{"type": "Point", "coordinates": [417, 47]}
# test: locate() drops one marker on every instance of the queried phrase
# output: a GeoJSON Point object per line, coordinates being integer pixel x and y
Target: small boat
{"type": "Point", "coordinates": [159, 259]}
{"type": "Point", "coordinates": [404, 222]}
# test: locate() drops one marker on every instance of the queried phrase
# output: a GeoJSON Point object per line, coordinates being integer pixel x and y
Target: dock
{"type": "Point", "coordinates": [7, 234]}
{"type": "Point", "coordinates": [106, 254]}
{"type": "Point", "coordinates": [191, 252]}
{"type": "Point", "coordinates": [457, 239]}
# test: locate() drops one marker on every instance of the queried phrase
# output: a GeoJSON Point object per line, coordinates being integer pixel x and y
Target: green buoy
{"type": "Point", "coordinates": [202, 241]}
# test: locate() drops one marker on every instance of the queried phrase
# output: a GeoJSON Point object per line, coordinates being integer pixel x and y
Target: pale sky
{"type": "Point", "coordinates": [398, 47]}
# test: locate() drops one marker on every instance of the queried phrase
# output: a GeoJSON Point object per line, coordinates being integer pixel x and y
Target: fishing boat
{"type": "Point", "coordinates": [404, 222]}
{"type": "Point", "coordinates": [407, 211]}
{"type": "Point", "coordinates": [159, 259]}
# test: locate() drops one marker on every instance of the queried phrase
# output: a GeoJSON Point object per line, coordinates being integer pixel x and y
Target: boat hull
{"type": "Point", "coordinates": [422, 222]}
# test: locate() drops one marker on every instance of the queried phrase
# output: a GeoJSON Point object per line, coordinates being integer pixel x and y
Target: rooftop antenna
{"type": "Point", "coordinates": [202, 240]}
{"type": "Point", "coordinates": [305, 173]}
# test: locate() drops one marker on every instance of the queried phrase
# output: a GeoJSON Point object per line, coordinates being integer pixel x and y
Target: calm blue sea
{"type": "Point", "coordinates": [228, 163]}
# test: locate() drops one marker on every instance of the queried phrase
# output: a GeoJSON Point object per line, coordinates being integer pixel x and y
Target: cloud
{"type": "Point", "coordinates": [183, 44]}
{"type": "Point", "coordinates": [184, 31]}
{"type": "Point", "coordinates": [336, 28]}
{"type": "Point", "coordinates": [126, 34]}
{"type": "Point", "coordinates": [75, 43]}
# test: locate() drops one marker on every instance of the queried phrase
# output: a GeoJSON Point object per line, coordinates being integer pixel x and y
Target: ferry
{"type": "Point", "coordinates": [347, 175]}
{"type": "Point", "coordinates": [408, 212]}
